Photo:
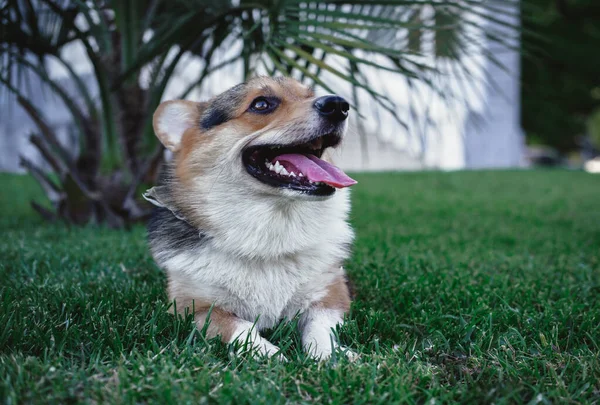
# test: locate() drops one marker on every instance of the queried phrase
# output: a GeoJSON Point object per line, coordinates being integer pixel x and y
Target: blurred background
{"type": "Point", "coordinates": [461, 84]}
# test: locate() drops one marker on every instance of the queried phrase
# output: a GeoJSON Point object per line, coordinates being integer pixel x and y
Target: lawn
{"type": "Point", "coordinates": [474, 287]}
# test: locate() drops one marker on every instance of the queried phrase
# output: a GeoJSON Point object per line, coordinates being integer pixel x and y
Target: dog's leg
{"type": "Point", "coordinates": [233, 329]}
{"type": "Point", "coordinates": [318, 323]}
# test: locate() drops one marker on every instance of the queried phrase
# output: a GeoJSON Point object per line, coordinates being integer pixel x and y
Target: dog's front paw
{"type": "Point", "coordinates": [250, 341]}
{"type": "Point", "coordinates": [319, 339]}
{"type": "Point", "coordinates": [319, 351]}
{"type": "Point", "coordinates": [264, 348]}
{"type": "Point", "coordinates": [325, 352]}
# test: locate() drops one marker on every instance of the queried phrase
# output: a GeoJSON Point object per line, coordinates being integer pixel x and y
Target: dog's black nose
{"type": "Point", "coordinates": [334, 108]}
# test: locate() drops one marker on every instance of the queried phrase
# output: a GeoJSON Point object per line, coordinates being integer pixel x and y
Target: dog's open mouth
{"type": "Point", "coordinates": [297, 167]}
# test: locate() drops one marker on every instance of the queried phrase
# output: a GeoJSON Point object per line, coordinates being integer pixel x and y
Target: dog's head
{"type": "Point", "coordinates": [248, 164]}
{"type": "Point", "coordinates": [266, 136]}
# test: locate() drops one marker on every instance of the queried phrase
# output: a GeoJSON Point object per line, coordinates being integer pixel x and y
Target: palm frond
{"type": "Point", "coordinates": [335, 45]}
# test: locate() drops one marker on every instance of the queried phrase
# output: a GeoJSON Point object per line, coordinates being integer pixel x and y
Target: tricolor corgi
{"type": "Point", "coordinates": [251, 224]}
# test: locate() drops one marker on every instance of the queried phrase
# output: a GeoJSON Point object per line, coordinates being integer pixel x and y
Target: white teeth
{"type": "Point", "coordinates": [280, 169]}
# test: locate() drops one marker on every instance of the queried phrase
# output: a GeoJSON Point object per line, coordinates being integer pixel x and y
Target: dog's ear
{"type": "Point", "coordinates": [173, 118]}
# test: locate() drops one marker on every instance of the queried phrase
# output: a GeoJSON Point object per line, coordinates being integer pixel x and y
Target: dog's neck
{"type": "Point", "coordinates": [263, 228]}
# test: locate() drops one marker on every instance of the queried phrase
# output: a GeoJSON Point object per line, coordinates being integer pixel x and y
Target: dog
{"type": "Point", "coordinates": [251, 224]}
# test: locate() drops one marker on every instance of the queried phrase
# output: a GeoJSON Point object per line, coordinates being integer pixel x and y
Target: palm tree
{"type": "Point", "coordinates": [124, 40]}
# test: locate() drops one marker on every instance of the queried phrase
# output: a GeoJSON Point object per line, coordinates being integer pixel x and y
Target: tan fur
{"type": "Point", "coordinates": [195, 150]}
{"type": "Point", "coordinates": [337, 297]}
{"type": "Point", "coordinates": [222, 323]}
{"type": "Point", "coordinates": [296, 102]}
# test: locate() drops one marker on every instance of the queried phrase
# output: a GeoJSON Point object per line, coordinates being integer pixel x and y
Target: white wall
{"type": "Point", "coordinates": [493, 134]}
{"type": "Point", "coordinates": [479, 129]}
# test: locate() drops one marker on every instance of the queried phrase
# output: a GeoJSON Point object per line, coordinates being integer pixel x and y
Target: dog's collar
{"type": "Point", "coordinates": [159, 197]}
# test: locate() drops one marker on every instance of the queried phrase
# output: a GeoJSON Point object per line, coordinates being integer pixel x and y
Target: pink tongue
{"type": "Point", "coordinates": [317, 170]}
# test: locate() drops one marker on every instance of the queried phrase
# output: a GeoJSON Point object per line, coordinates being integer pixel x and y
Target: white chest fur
{"type": "Point", "coordinates": [263, 266]}
{"type": "Point", "coordinates": [258, 289]}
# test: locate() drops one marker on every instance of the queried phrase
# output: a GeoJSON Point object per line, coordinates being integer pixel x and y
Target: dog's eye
{"type": "Point", "coordinates": [260, 105]}
{"type": "Point", "coordinates": [263, 105]}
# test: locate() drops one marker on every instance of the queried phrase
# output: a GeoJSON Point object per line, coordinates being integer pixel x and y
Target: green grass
{"type": "Point", "coordinates": [472, 287]}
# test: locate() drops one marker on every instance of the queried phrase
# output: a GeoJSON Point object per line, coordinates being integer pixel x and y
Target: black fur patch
{"type": "Point", "coordinates": [221, 108]}
{"type": "Point", "coordinates": [169, 236]}
{"type": "Point", "coordinates": [213, 118]}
